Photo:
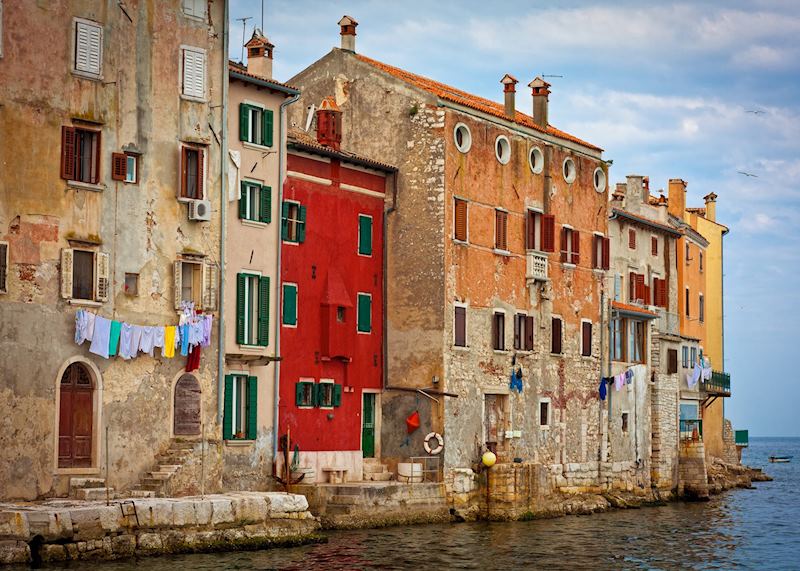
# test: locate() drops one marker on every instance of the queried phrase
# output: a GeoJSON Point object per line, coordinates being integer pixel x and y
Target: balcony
{"type": "Point", "coordinates": [742, 438]}
{"type": "Point", "coordinates": [668, 323]}
{"type": "Point", "coordinates": [691, 429]}
{"type": "Point", "coordinates": [719, 385]}
{"type": "Point", "coordinates": [537, 267]}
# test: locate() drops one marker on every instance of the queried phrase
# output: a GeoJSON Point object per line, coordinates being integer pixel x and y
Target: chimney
{"type": "Point", "coordinates": [329, 124]}
{"type": "Point", "coordinates": [541, 91]}
{"type": "Point", "coordinates": [348, 33]}
{"type": "Point", "coordinates": [509, 91]}
{"type": "Point", "coordinates": [636, 189]}
{"type": "Point", "coordinates": [677, 197]}
{"type": "Point", "coordinates": [711, 206]}
{"type": "Point", "coordinates": [259, 55]}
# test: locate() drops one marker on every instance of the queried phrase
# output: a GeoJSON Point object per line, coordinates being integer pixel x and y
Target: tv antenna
{"type": "Point", "coordinates": [244, 31]}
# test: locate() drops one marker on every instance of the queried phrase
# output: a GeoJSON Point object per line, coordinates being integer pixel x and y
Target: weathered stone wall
{"type": "Point", "coordinates": [664, 406]}
{"type": "Point", "coordinates": [693, 475]}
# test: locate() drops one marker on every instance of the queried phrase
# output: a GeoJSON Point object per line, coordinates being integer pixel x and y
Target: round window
{"type": "Point", "coordinates": [502, 149]}
{"type": "Point", "coordinates": [569, 170]}
{"type": "Point", "coordinates": [462, 137]}
{"type": "Point", "coordinates": [599, 180]}
{"type": "Point", "coordinates": [536, 160]}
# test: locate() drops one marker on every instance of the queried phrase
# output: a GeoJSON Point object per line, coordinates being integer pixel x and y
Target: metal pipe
{"type": "Point", "coordinates": [223, 198]}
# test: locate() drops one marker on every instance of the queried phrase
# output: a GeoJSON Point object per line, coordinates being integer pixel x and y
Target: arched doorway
{"type": "Point", "coordinates": [187, 407]}
{"type": "Point", "coordinates": [75, 418]}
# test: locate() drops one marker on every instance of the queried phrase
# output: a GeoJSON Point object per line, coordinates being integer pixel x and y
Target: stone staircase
{"type": "Point", "coordinates": [167, 463]}
{"type": "Point", "coordinates": [89, 489]}
{"type": "Point", "coordinates": [374, 471]}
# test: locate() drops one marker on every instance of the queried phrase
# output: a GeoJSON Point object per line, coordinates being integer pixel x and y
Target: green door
{"type": "Point", "coordinates": [368, 426]}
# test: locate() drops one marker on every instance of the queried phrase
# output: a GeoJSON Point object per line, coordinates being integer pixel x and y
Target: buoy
{"type": "Point", "coordinates": [488, 459]}
{"type": "Point", "coordinates": [439, 443]}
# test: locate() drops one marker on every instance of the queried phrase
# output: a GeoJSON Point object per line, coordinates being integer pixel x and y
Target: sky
{"type": "Point", "coordinates": [698, 90]}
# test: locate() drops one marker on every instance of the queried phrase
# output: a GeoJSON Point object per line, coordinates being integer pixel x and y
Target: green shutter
{"type": "Point", "coordinates": [364, 313]}
{"type": "Point", "coordinates": [265, 210]}
{"type": "Point", "coordinates": [301, 227]}
{"type": "Point", "coordinates": [243, 196]}
{"type": "Point", "coordinates": [365, 235]}
{"type": "Point", "coordinates": [244, 123]}
{"type": "Point", "coordinates": [298, 394]}
{"type": "Point", "coordinates": [252, 407]}
{"type": "Point", "coordinates": [227, 429]}
{"type": "Point", "coordinates": [289, 304]}
{"type": "Point", "coordinates": [316, 394]}
{"type": "Point", "coordinates": [263, 311]}
{"type": "Point", "coordinates": [337, 395]}
{"type": "Point", "coordinates": [285, 221]}
{"type": "Point", "coordinates": [241, 280]}
{"type": "Point", "coordinates": [266, 127]}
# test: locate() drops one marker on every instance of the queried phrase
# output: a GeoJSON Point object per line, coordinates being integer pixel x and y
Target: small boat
{"type": "Point", "coordinates": [780, 458]}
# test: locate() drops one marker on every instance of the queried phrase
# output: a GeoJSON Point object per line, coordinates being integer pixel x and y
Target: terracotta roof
{"type": "Point", "coordinates": [616, 212]}
{"type": "Point", "coordinates": [299, 139]}
{"type": "Point", "coordinates": [636, 309]}
{"type": "Point", "coordinates": [448, 93]}
{"type": "Point", "coordinates": [240, 69]}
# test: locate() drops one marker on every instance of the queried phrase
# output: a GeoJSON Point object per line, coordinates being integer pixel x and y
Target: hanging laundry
{"type": "Point", "coordinates": [619, 381]}
{"type": "Point", "coordinates": [100, 339]}
{"type": "Point", "coordinates": [148, 337]}
{"type": "Point", "coordinates": [196, 331]}
{"type": "Point", "coordinates": [136, 339]}
{"type": "Point", "coordinates": [207, 324]}
{"type": "Point", "coordinates": [516, 380]}
{"type": "Point", "coordinates": [603, 389]}
{"type": "Point", "coordinates": [707, 374]}
{"type": "Point", "coordinates": [113, 339]}
{"type": "Point", "coordinates": [168, 350]}
{"type": "Point", "coordinates": [696, 374]}
{"type": "Point", "coordinates": [158, 338]}
{"type": "Point", "coordinates": [125, 337]}
{"type": "Point", "coordinates": [193, 361]}
{"type": "Point", "coordinates": [90, 317]}
{"type": "Point", "coordinates": [80, 326]}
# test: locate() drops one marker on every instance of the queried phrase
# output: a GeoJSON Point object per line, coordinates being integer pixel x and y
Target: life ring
{"type": "Point", "coordinates": [439, 446]}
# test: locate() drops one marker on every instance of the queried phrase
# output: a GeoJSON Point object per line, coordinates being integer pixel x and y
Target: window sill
{"type": "Point", "coordinates": [360, 255]}
{"type": "Point", "coordinates": [556, 354]}
{"type": "Point", "coordinates": [568, 266]}
{"type": "Point", "coordinates": [252, 348]}
{"type": "Point", "coordinates": [88, 471]}
{"type": "Point", "coordinates": [524, 352]}
{"type": "Point", "coordinates": [500, 252]}
{"type": "Point", "coordinates": [187, 200]}
{"type": "Point", "coordinates": [86, 186]}
{"type": "Point", "coordinates": [544, 427]}
{"type": "Point", "coordinates": [364, 332]}
{"type": "Point", "coordinates": [255, 146]}
{"type": "Point", "coordinates": [241, 443]}
{"type": "Point", "coordinates": [464, 349]}
{"type": "Point", "coordinates": [193, 98]}
{"type": "Point", "coordinates": [253, 223]}
{"type": "Point", "coordinates": [85, 303]}
{"type": "Point", "coordinates": [289, 242]}
{"type": "Point", "coordinates": [501, 351]}
{"type": "Point", "coordinates": [461, 242]}
{"type": "Point", "coordinates": [87, 75]}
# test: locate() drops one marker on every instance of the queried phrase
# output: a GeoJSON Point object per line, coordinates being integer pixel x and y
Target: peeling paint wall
{"type": "Point", "coordinates": [141, 226]}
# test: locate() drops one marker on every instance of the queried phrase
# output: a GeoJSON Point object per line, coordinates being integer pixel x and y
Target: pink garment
{"type": "Point", "coordinates": [619, 381]}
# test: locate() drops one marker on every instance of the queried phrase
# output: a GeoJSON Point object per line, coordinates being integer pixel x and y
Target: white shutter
{"type": "Point", "coordinates": [210, 278]}
{"type": "Point", "coordinates": [194, 73]}
{"type": "Point", "coordinates": [178, 279]}
{"type": "Point", "coordinates": [195, 8]}
{"type": "Point", "coordinates": [66, 273]}
{"type": "Point", "coordinates": [88, 47]}
{"type": "Point", "coordinates": [101, 273]}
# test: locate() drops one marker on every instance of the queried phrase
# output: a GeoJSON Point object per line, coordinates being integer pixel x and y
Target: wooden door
{"type": "Point", "coordinates": [368, 426]}
{"type": "Point", "coordinates": [187, 406]}
{"type": "Point", "coordinates": [75, 418]}
{"type": "Point", "coordinates": [492, 419]}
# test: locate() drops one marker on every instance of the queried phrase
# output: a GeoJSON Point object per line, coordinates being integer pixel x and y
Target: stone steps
{"type": "Point", "coordinates": [141, 494]}
{"type": "Point", "coordinates": [93, 493]}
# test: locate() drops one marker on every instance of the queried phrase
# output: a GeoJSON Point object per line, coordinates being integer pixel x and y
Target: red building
{"type": "Point", "coordinates": [332, 271]}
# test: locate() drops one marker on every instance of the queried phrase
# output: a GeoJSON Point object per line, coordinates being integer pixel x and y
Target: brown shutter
{"type": "Point", "coordinates": [200, 175]}
{"type": "Point", "coordinates": [460, 220]}
{"type": "Point", "coordinates": [529, 333]}
{"type": "Point", "coordinates": [586, 345]}
{"type": "Point", "coordinates": [519, 319]}
{"type": "Point", "coordinates": [641, 289]}
{"type": "Point", "coordinates": [548, 233]}
{"type": "Point", "coordinates": [576, 247]}
{"type": "Point", "coordinates": [68, 153]}
{"type": "Point", "coordinates": [504, 219]}
{"type": "Point", "coordinates": [632, 239]}
{"type": "Point", "coordinates": [119, 166]}
{"type": "Point", "coordinates": [632, 287]}
{"type": "Point", "coordinates": [595, 246]}
{"type": "Point", "coordinates": [461, 326]}
{"type": "Point", "coordinates": [672, 361]}
{"type": "Point", "coordinates": [96, 162]}
{"type": "Point", "coordinates": [184, 169]}
{"type": "Point", "coordinates": [494, 331]}
{"type": "Point", "coordinates": [564, 252]}
{"type": "Point", "coordinates": [555, 346]}
{"type": "Point", "coordinates": [654, 245]}
{"type": "Point", "coordinates": [606, 253]}
{"type": "Point", "coordinates": [530, 230]}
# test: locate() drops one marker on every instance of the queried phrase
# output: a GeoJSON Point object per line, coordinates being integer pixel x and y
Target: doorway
{"type": "Point", "coordinates": [368, 426]}
{"type": "Point", "coordinates": [187, 407]}
{"type": "Point", "coordinates": [75, 418]}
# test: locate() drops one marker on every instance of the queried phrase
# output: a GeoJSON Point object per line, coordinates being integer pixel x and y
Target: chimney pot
{"type": "Point", "coordinates": [541, 92]}
{"type": "Point", "coordinates": [259, 55]}
{"type": "Point", "coordinates": [509, 92]}
{"type": "Point", "coordinates": [329, 124]}
{"type": "Point", "coordinates": [347, 30]}
{"type": "Point", "coordinates": [711, 206]}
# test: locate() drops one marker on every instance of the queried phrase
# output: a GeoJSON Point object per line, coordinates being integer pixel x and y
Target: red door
{"type": "Point", "coordinates": [75, 418]}
{"type": "Point", "coordinates": [187, 406]}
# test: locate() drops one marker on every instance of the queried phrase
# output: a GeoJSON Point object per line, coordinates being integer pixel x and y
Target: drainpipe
{"type": "Point", "coordinates": [385, 325]}
{"type": "Point", "coordinates": [279, 296]}
{"type": "Point", "coordinates": [223, 199]}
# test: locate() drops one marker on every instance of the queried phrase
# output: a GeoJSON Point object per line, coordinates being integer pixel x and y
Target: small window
{"type": "Point", "coordinates": [195, 8]}
{"type": "Point", "coordinates": [701, 308]}
{"type": "Point", "coordinates": [533, 233]}
{"type": "Point", "coordinates": [290, 304]}
{"type": "Point", "coordinates": [502, 149]}
{"type": "Point", "coordinates": [132, 284]}
{"type": "Point", "coordinates": [570, 246]}
{"type": "Point", "coordinates": [3, 260]}
{"type": "Point", "coordinates": [631, 238]}
{"type": "Point", "coordinates": [193, 62]}
{"type": "Point", "coordinates": [191, 282]}
{"type": "Point", "coordinates": [601, 252]}
{"type": "Point", "coordinates": [195, 282]}
{"type": "Point", "coordinates": [693, 357]}
{"type": "Point", "coordinates": [255, 124]}
{"type": "Point", "coordinates": [462, 137]}
{"type": "Point", "coordinates": [688, 313]}
{"type": "Point", "coordinates": [84, 275]}
{"type": "Point", "coordinates": [364, 235]}
{"type": "Point", "coordinates": [536, 160]}
{"type": "Point", "coordinates": [88, 60]}
{"type": "Point", "coordinates": [654, 245]}
{"type": "Point", "coordinates": [293, 222]}
{"type": "Point", "coordinates": [252, 309]}
{"type": "Point", "coordinates": [624, 422]}
{"type": "Point", "coordinates": [80, 155]}
{"type": "Point", "coordinates": [523, 332]}
{"type": "Point", "coordinates": [132, 171]}
{"type": "Point", "coordinates": [364, 317]}
{"type": "Point", "coordinates": [636, 341]}
{"type": "Point", "coordinates": [688, 258]}
{"type": "Point", "coordinates": [544, 413]}
{"type": "Point", "coordinates": [501, 230]}
{"type": "Point", "coordinates": [255, 202]}
{"type": "Point", "coordinates": [460, 326]}
{"type": "Point", "coordinates": [340, 314]}
{"type": "Point", "coordinates": [700, 260]}
{"type": "Point", "coordinates": [586, 338]}
{"type": "Point", "coordinates": [305, 394]}
{"type": "Point", "coordinates": [325, 394]}
{"type": "Point", "coordinates": [568, 170]}
{"type": "Point", "coordinates": [124, 167]}
{"type": "Point", "coordinates": [555, 335]}
{"type": "Point", "coordinates": [192, 169]}
{"type": "Point", "coordinates": [599, 179]}
{"type": "Point", "coordinates": [240, 408]}
{"type": "Point", "coordinates": [685, 357]}
{"type": "Point", "coordinates": [499, 331]}
{"type": "Point", "coordinates": [672, 361]}
{"type": "Point", "coordinates": [460, 220]}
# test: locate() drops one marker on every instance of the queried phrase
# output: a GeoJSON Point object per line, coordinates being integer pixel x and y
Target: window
{"type": "Point", "coordinates": [601, 252]}
{"type": "Point", "coordinates": [568, 170]}
{"type": "Point", "coordinates": [672, 361]}
{"type": "Point", "coordinates": [555, 336]}
{"type": "Point", "coordinates": [194, 8]}
{"type": "Point", "coordinates": [305, 394]}
{"type": "Point", "coordinates": [84, 275]}
{"type": "Point", "coordinates": [290, 305]}
{"type": "Point", "coordinates": [460, 220]}
{"type": "Point", "coordinates": [293, 222]}
{"type": "Point", "coordinates": [364, 315]}
{"type": "Point", "coordinates": [617, 340]}
{"type": "Point", "coordinates": [255, 202]}
{"type": "Point", "coordinates": [624, 422]}
{"type": "Point", "coordinates": [329, 394]}
{"type": "Point", "coordinates": [193, 78]}
{"type": "Point", "coordinates": [124, 167]}
{"type": "Point", "coordinates": [637, 289]}
{"type": "Point", "coordinates": [88, 56]}
{"type": "Point", "coordinates": [693, 357]}
{"type": "Point", "coordinates": [636, 341]}
{"type": "Point", "coordinates": [570, 246]}
{"type": "Point", "coordinates": [132, 284]}
{"type": "Point", "coordinates": [80, 155]}
{"type": "Point", "coordinates": [599, 179]}
{"type": "Point", "coordinates": [3, 260]}
{"type": "Point", "coordinates": [462, 137]}
{"type": "Point", "coordinates": [252, 309]}
{"type": "Point", "coordinates": [536, 160]}
{"type": "Point", "coordinates": [364, 235]}
{"type": "Point", "coordinates": [632, 239]}
{"type": "Point", "coordinates": [701, 261]}
{"type": "Point", "coordinates": [240, 408]}
{"type": "Point", "coordinates": [192, 169]}
{"type": "Point", "coordinates": [523, 332]}
{"type": "Point", "coordinates": [502, 149]}
{"type": "Point", "coordinates": [544, 412]}
{"type": "Point", "coordinates": [660, 296]}
{"type": "Point", "coordinates": [687, 253]}
{"type": "Point", "coordinates": [685, 357]}
{"type": "Point", "coordinates": [586, 338]}
{"type": "Point", "coordinates": [687, 302]}
{"type": "Point", "coordinates": [628, 338]}
{"type": "Point", "coordinates": [460, 326]}
{"type": "Point", "coordinates": [617, 287]}
{"type": "Point", "coordinates": [340, 314]}
{"type": "Point", "coordinates": [701, 308]}
{"type": "Point", "coordinates": [654, 245]}
{"type": "Point", "coordinates": [499, 331]}
{"type": "Point", "coordinates": [501, 230]}
{"type": "Point", "coordinates": [540, 232]}
{"type": "Point", "coordinates": [195, 282]}
{"type": "Point", "coordinates": [255, 124]}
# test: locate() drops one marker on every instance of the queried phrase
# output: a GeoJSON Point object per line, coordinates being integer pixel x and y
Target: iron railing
{"type": "Point", "coordinates": [537, 266]}
{"type": "Point", "coordinates": [718, 384]}
{"type": "Point", "coordinates": [691, 429]}
{"type": "Point", "coordinates": [742, 438]}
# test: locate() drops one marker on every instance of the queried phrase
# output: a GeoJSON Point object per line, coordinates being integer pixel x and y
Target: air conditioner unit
{"type": "Point", "coordinates": [200, 210]}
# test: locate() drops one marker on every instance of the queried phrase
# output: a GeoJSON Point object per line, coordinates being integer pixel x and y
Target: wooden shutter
{"type": "Point", "coordinates": [263, 311]}
{"type": "Point", "coordinates": [244, 198]}
{"type": "Point", "coordinates": [244, 122]}
{"type": "Point", "coordinates": [548, 233]}
{"type": "Point", "coordinates": [101, 273]}
{"type": "Point", "coordinates": [575, 258]}
{"type": "Point", "coordinates": [530, 230]}
{"type": "Point", "coordinates": [632, 239]}
{"type": "Point", "coordinates": [88, 47]}
{"type": "Point", "coordinates": [596, 241]}
{"type": "Point", "coordinates": [68, 153]}
{"type": "Point", "coordinates": [654, 245]}
{"type": "Point", "coordinates": [266, 127]}
{"type": "Point", "coordinates": [67, 256]}
{"type": "Point", "coordinates": [672, 361]}
{"type": "Point", "coordinates": [252, 408]}
{"type": "Point", "coordinates": [641, 289]}
{"type": "Point", "coordinates": [241, 284]}
{"type": "Point", "coordinates": [501, 230]}
{"type": "Point", "coordinates": [184, 170]}
{"type": "Point", "coordinates": [606, 253]}
{"type": "Point", "coordinates": [555, 345]}
{"type": "Point", "coordinates": [265, 198]}
{"type": "Point", "coordinates": [364, 324]}
{"type": "Point", "coordinates": [177, 278]}
{"type": "Point", "coordinates": [460, 326]}
{"type": "Point", "coordinates": [301, 227]}
{"type": "Point", "coordinates": [529, 332]}
{"type": "Point", "coordinates": [289, 304]}
{"type": "Point", "coordinates": [194, 73]}
{"type": "Point", "coordinates": [365, 235]}
{"type": "Point", "coordinates": [586, 341]}
{"type": "Point", "coordinates": [227, 409]}
{"type": "Point", "coordinates": [337, 395]}
{"type": "Point", "coordinates": [460, 220]}
{"type": "Point", "coordinates": [519, 320]}
{"type": "Point", "coordinates": [564, 251]}
{"type": "Point", "coordinates": [316, 394]}
{"type": "Point", "coordinates": [299, 393]}
{"type": "Point", "coordinates": [200, 175]}
{"type": "Point", "coordinates": [285, 221]}
{"type": "Point", "coordinates": [210, 284]}
{"type": "Point", "coordinates": [3, 268]}
{"type": "Point", "coordinates": [119, 166]}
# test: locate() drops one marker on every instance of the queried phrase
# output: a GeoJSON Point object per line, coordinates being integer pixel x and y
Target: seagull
{"type": "Point", "coordinates": [747, 174]}
{"type": "Point", "coordinates": [756, 111]}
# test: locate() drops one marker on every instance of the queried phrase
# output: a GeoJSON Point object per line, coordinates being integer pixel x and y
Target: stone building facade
{"type": "Point", "coordinates": [113, 198]}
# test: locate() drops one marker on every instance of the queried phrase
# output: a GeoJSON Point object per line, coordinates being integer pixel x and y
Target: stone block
{"type": "Point", "coordinates": [123, 545]}
{"type": "Point", "coordinates": [155, 513]}
{"type": "Point", "coordinates": [53, 552]}
{"type": "Point", "coordinates": [203, 511]}
{"type": "Point", "coordinates": [95, 522]}
{"type": "Point", "coordinates": [183, 513]}
{"type": "Point", "coordinates": [249, 509]}
{"type": "Point", "coordinates": [52, 526]}
{"type": "Point", "coordinates": [279, 502]}
{"type": "Point", "coordinates": [149, 542]}
{"type": "Point", "coordinates": [12, 551]}
{"type": "Point", "coordinates": [14, 525]}
{"type": "Point", "coordinates": [222, 512]}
